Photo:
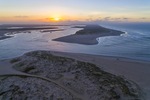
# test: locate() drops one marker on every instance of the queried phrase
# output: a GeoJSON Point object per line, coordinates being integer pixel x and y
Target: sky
{"type": "Point", "coordinates": [46, 11]}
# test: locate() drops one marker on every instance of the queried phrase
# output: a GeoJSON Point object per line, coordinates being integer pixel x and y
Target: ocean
{"type": "Point", "coordinates": [135, 44]}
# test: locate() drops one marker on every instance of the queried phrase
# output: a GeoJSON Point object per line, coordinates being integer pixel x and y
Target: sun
{"type": "Point", "coordinates": [56, 19]}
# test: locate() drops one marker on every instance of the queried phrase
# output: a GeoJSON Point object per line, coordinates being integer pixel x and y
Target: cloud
{"type": "Point", "coordinates": [21, 16]}
{"type": "Point", "coordinates": [107, 18]}
{"type": "Point", "coordinates": [143, 18]}
{"type": "Point", "coordinates": [125, 18]}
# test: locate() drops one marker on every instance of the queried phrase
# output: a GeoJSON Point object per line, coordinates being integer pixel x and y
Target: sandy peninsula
{"type": "Point", "coordinates": [72, 76]}
{"type": "Point", "coordinates": [88, 35]}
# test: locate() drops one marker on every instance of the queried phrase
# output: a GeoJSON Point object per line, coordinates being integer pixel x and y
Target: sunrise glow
{"type": "Point", "coordinates": [74, 10]}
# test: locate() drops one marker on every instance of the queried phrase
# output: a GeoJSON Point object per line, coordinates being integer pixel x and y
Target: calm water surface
{"type": "Point", "coordinates": [134, 44]}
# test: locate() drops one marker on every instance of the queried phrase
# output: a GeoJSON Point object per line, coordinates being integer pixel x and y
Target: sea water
{"type": "Point", "coordinates": [134, 44]}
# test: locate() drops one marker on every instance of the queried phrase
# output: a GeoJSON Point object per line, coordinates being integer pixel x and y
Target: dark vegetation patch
{"type": "Point", "coordinates": [15, 60]}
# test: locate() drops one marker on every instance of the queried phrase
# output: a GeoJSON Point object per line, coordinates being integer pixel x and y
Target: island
{"type": "Point", "coordinates": [89, 34]}
{"type": "Point", "coordinates": [47, 75]}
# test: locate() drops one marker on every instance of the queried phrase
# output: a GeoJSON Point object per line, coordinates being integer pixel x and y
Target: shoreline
{"type": "Point", "coordinates": [104, 56]}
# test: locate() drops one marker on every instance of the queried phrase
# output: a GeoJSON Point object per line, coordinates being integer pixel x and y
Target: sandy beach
{"type": "Point", "coordinates": [136, 71]}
